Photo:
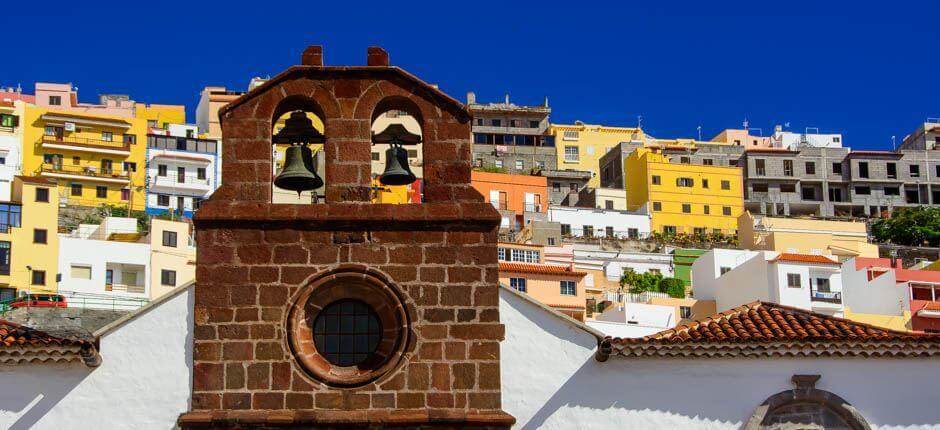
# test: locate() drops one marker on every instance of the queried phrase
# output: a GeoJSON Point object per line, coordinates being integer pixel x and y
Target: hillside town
{"type": "Point", "coordinates": [351, 246]}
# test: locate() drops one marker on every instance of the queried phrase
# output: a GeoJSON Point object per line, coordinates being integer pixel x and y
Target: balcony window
{"type": "Point", "coordinates": [161, 169]}
{"type": "Point", "coordinates": [568, 288]}
{"type": "Point", "coordinates": [130, 139]}
{"type": "Point", "coordinates": [496, 123]}
{"type": "Point", "coordinates": [10, 216]}
{"type": "Point", "coordinates": [130, 166]}
{"type": "Point", "coordinates": [570, 135]}
{"type": "Point", "coordinates": [201, 173]}
{"type": "Point", "coordinates": [534, 124]}
{"type": "Point", "coordinates": [107, 167]}
{"type": "Point", "coordinates": [76, 161]}
{"type": "Point", "coordinates": [809, 193]}
{"type": "Point", "coordinates": [708, 162]}
{"type": "Point", "coordinates": [684, 160]}
{"type": "Point", "coordinates": [107, 136]}
{"type": "Point", "coordinates": [787, 188]}
{"type": "Point", "coordinates": [514, 123]}
{"type": "Point", "coordinates": [518, 284]}
{"type": "Point", "coordinates": [479, 121]}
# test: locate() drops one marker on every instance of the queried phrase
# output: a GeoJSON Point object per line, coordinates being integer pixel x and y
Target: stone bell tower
{"type": "Point", "coordinates": [346, 313]}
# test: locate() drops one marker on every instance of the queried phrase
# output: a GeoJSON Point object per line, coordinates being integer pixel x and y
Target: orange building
{"type": "Point", "coordinates": [558, 287]}
{"type": "Point", "coordinates": [518, 198]}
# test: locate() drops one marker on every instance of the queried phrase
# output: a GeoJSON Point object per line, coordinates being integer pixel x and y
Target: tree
{"type": "Point", "coordinates": [672, 286]}
{"type": "Point", "coordinates": [912, 226]}
{"type": "Point", "coordinates": [640, 282]}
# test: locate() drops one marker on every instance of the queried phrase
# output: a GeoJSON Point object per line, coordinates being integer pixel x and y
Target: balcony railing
{"type": "Point", "coordinates": [627, 297]}
{"type": "Point", "coordinates": [86, 142]}
{"type": "Point", "coordinates": [90, 171]}
{"type": "Point", "coordinates": [137, 289]}
{"type": "Point", "coordinates": [532, 207]}
{"type": "Point", "coordinates": [826, 296]}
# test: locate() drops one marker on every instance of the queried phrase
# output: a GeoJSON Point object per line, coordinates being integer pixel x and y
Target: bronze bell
{"type": "Point", "coordinates": [298, 173]}
{"type": "Point", "coordinates": [298, 129]}
{"type": "Point", "coordinates": [397, 171]}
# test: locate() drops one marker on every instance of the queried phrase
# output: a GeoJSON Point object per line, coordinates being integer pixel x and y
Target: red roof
{"type": "Point", "coordinates": [866, 262]}
{"type": "Point", "coordinates": [13, 335]}
{"type": "Point", "coordinates": [805, 258]}
{"type": "Point", "coordinates": [931, 306]}
{"type": "Point", "coordinates": [901, 275]}
{"type": "Point", "coordinates": [761, 329]}
{"type": "Point", "coordinates": [543, 269]}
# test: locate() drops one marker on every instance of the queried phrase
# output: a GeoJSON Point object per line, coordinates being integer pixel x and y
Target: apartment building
{"type": "Point", "coordinates": [580, 146]}
{"type": "Point", "coordinates": [523, 268]}
{"type": "Point", "coordinates": [734, 278]}
{"type": "Point", "coordinates": [182, 169]}
{"type": "Point", "coordinates": [511, 137]}
{"type": "Point", "coordinates": [95, 152]}
{"type": "Point", "coordinates": [518, 198]}
{"type": "Point", "coordinates": [172, 256]}
{"type": "Point", "coordinates": [841, 239]}
{"type": "Point", "coordinates": [741, 137]}
{"type": "Point", "coordinates": [211, 99]}
{"type": "Point", "coordinates": [565, 186]}
{"type": "Point", "coordinates": [811, 137]}
{"type": "Point", "coordinates": [594, 222]}
{"type": "Point", "coordinates": [11, 138]}
{"type": "Point", "coordinates": [29, 247]}
{"type": "Point", "coordinates": [879, 291]}
{"type": "Point", "coordinates": [690, 194]}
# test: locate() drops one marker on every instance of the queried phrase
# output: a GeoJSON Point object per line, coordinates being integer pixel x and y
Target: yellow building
{"type": "Point", "coordinates": [172, 256]}
{"type": "Point", "coordinates": [29, 244]}
{"type": "Point", "coordinates": [580, 146]}
{"type": "Point", "coordinates": [843, 239]}
{"type": "Point", "coordinates": [683, 198]}
{"type": "Point", "coordinates": [95, 153]}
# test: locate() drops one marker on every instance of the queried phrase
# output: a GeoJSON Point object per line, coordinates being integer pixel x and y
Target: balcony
{"type": "Point", "coordinates": [84, 144]}
{"type": "Point", "coordinates": [176, 182]}
{"type": "Point", "coordinates": [826, 300]}
{"type": "Point", "coordinates": [122, 288]}
{"type": "Point", "coordinates": [85, 173]}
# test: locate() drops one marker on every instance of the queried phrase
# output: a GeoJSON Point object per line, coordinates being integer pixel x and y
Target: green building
{"type": "Point", "coordinates": [682, 260]}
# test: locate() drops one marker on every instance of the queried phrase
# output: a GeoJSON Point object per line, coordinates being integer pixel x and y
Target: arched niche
{"type": "Point", "coordinates": [397, 110]}
{"type": "Point", "coordinates": [313, 111]}
{"type": "Point", "coordinates": [806, 407]}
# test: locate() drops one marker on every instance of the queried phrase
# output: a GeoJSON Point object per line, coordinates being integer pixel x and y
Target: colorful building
{"type": "Point", "coordinates": [879, 291]}
{"type": "Point", "coordinates": [182, 169]}
{"type": "Point", "coordinates": [843, 239]}
{"type": "Point", "coordinates": [580, 146]}
{"type": "Point", "coordinates": [11, 143]}
{"type": "Point", "coordinates": [95, 152]}
{"type": "Point", "coordinates": [683, 198]}
{"type": "Point", "coordinates": [519, 198]}
{"type": "Point", "coordinates": [172, 256]}
{"type": "Point", "coordinates": [523, 268]}
{"type": "Point", "coordinates": [682, 260]}
{"type": "Point", "coordinates": [29, 245]}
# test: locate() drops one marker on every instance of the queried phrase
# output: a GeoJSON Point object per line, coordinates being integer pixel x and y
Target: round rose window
{"type": "Point", "coordinates": [347, 332]}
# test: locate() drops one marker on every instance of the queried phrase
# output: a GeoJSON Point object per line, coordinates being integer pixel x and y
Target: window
{"type": "Point", "coordinates": [892, 169]}
{"type": "Point", "coordinates": [759, 188]}
{"type": "Point", "coordinates": [726, 185]}
{"type": "Point", "coordinates": [787, 168]}
{"type": "Point", "coordinates": [707, 210]}
{"type": "Point", "coordinates": [809, 193]}
{"type": "Point", "coordinates": [733, 163]}
{"type": "Point", "coordinates": [168, 277]}
{"type": "Point", "coordinates": [130, 166]}
{"type": "Point", "coordinates": [726, 210]}
{"type": "Point", "coordinates": [822, 285]}
{"type": "Point", "coordinates": [669, 229]}
{"type": "Point", "coordinates": [657, 206]}
{"type": "Point", "coordinates": [685, 312]}
{"type": "Point", "coordinates": [180, 175]}
{"type": "Point", "coordinates": [587, 230]}
{"type": "Point", "coordinates": [40, 235]}
{"type": "Point", "coordinates": [556, 187]}
{"type": "Point", "coordinates": [573, 187]}
{"type": "Point", "coordinates": [793, 280]}
{"type": "Point", "coordinates": [76, 160]}
{"type": "Point", "coordinates": [862, 169]}
{"type": "Point", "coordinates": [514, 123]}
{"type": "Point", "coordinates": [787, 188]}
{"type": "Point", "coordinates": [347, 332]}
{"type": "Point", "coordinates": [915, 170]}
{"type": "Point", "coordinates": [9, 121]}
{"type": "Point", "coordinates": [180, 203]}
{"type": "Point", "coordinates": [80, 272]}
{"type": "Point", "coordinates": [533, 124]}
{"type": "Point", "coordinates": [496, 123]}
{"type": "Point", "coordinates": [686, 208]}
{"type": "Point", "coordinates": [107, 136]}
{"type": "Point", "coordinates": [540, 164]}
{"type": "Point", "coordinates": [837, 168]}
{"type": "Point", "coordinates": [125, 194]}
{"type": "Point", "coordinates": [4, 258]}
{"type": "Point", "coordinates": [698, 231]}
{"type": "Point", "coordinates": [571, 153]}
{"type": "Point", "coordinates": [657, 180]}
{"type": "Point", "coordinates": [10, 216]}
{"type": "Point", "coordinates": [161, 169]}
{"type": "Point", "coordinates": [633, 233]}
{"type": "Point", "coordinates": [523, 255]}
{"type": "Point", "coordinates": [708, 162]}
{"type": "Point", "coordinates": [685, 182]}
{"type": "Point", "coordinates": [863, 191]}
{"type": "Point", "coordinates": [38, 277]}
{"type": "Point", "coordinates": [568, 288]}
{"type": "Point", "coordinates": [704, 183]}
{"type": "Point", "coordinates": [759, 167]}
{"type": "Point", "coordinates": [517, 284]}
{"type": "Point", "coordinates": [609, 231]}
{"type": "Point", "coordinates": [836, 139]}
{"type": "Point", "coordinates": [520, 164]}
{"type": "Point", "coordinates": [55, 100]}
{"type": "Point", "coordinates": [42, 195]}
{"type": "Point", "coordinates": [169, 238]}
{"type": "Point", "coordinates": [724, 269]}
{"type": "Point", "coordinates": [609, 204]}
{"type": "Point", "coordinates": [570, 135]}
{"type": "Point", "coordinates": [129, 139]}
{"type": "Point", "coordinates": [892, 191]}
{"type": "Point", "coordinates": [498, 164]}
{"type": "Point", "coordinates": [937, 168]}
{"type": "Point", "coordinates": [108, 277]}
{"type": "Point", "coordinates": [163, 200]}
{"type": "Point", "coordinates": [810, 168]}
{"type": "Point", "coordinates": [375, 156]}
{"type": "Point", "coordinates": [566, 229]}
{"type": "Point", "coordinates": [684, 160]}
{"type": "Point", "coordinates": [107, 166]}
{"type": "Point", "coordinates": [77, 190]}
{"type": "Point", "coordinates": [101, 192]}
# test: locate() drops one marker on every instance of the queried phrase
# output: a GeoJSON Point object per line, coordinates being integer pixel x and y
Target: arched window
{"type": "Point", "coordinates": [390, 112]}
{"type": "Point", "coordinates": [806, 407]}
{"type": "Point", "coordinates": [294, 106]}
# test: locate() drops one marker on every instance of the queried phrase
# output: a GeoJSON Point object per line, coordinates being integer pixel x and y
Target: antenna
{"type": "Point", "coordinates": [746, 123]}
{"type": "Point", "coordinates": [699, 133]}
{"type": "Point", "coordinates": [894, 146]}
{"type": "Point", "coordinates": [639, 121]}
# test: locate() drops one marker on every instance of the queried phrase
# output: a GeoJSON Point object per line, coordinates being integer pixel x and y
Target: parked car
{"type": "Point", "coordinates": [40, 301]}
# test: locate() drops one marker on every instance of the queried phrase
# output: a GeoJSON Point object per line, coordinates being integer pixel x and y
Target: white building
{"type": "Point", "coordinates": [182, 169]}
{"type": "Point", "coordinates": [632, 320]}
{"type": "Point", "coordinates": [588, 222]}
{"type": "Point", "coordinates": [11, 142]}
{"type": "Point", "coordinates": [614, 262]}
{"type": "Point", "coordinates": [811, 137]}
{"type": "Point", "coordinates": [736, 277]}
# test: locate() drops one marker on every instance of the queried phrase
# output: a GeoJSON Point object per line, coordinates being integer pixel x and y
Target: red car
{"type": "Point", "coordinates": [40, 301]}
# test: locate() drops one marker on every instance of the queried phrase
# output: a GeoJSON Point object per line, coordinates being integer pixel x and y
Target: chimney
{"type": "Point", "coordinates": [312, 56]}
{"type": "Point", "coordinates": [376, 56]}
{"type": "Point", "coordinates": [471, 98]}
{"type": "Point", "coordinates": [507, 98]}
{"type": "Point", "coordinates": [546, 101]}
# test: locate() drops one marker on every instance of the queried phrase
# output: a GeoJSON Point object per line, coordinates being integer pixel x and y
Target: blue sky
{"type": "Point", "coordinates": [868, 71]}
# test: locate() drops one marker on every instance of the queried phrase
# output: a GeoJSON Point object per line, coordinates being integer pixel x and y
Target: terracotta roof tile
{"type": "Point", "coordinates": [21, 344]}
{"type": "Point", "coordinates": [763, 329]}
{"type": "Point", "coordinates": [805, 258]}
{"type": "Point", "coordinates": [544, 269]}
{"type": "Point", "coordinates": [14, 335]}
